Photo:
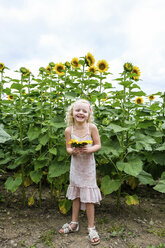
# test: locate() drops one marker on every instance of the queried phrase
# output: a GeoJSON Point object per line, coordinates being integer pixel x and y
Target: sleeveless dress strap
{"type": "Point", "coordinates": [72, 130]}
{"type": "Point", "coordinates": [88, 129]}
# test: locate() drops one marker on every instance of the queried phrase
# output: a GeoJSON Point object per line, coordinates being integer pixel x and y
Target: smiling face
{"type": "Point", "coordinates": [81, 112]}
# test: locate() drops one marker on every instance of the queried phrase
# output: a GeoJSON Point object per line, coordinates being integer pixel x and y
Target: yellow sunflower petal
{"type": "Point", "coordinates": [102, 66]}
{"type": "Point", "coordinates": [139, 100]}
{"type": "Point", "coordinates": [151, 97]}
{"type": "Point", "coordinates": [90, 59]}
{"type": "Point", "coordinates": [59, 68]}
{"type": "Point", "coordinates": [137, 71]}
{"type": "Point", "coordinates": [75, 63]}
{"type": "Point", "coordinates": [2, 66]}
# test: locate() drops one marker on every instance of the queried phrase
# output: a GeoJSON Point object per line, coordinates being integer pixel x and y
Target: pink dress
{"type": "Point", "coordinates": [83, 176]}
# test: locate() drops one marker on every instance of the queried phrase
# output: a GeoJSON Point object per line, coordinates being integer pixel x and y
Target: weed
{"type": "Point", "coordinates": [161, 245]}
{"type": "Point", "coordinates": [119, 231]}
{"type": "Point", "coordinates": [103, 220]}
{"type": "Point", "coordinates": [47, 238]}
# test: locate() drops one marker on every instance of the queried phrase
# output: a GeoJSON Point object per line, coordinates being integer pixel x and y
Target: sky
{"type": "Point", "coordinates": [34, 33]}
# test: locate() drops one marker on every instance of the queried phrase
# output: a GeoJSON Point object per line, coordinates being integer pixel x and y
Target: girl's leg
{"type": "Point", "coordinates": [90, 210]}
{"type": "Point", "coordinates": [75, 213]}
{"type": "Point", "coordinates": [75, 209]}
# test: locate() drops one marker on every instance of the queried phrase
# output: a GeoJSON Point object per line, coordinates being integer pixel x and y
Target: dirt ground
{"type": "Point", "coordinates": [34, 227]}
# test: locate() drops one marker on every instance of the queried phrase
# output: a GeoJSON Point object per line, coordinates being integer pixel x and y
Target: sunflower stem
{"type": "Point", "coordinates": [21, 142]}
{"type": "Point", "coordinates": [1, 86]}
{"type": "Point", "coordinates": [100, 87]}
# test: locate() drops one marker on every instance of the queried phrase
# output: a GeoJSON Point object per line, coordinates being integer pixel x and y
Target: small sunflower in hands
{"type": "Point", "coordinates": [79, 144]}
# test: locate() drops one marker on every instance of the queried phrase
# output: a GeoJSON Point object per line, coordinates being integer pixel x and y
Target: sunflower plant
{"type": "Point", "coordinates": [132, 131]}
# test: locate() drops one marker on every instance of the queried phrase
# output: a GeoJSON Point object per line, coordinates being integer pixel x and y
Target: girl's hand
{"type": "Point", "coordinates": [77, 150]}
{"type": "Point", "coordinates": [86, 149]}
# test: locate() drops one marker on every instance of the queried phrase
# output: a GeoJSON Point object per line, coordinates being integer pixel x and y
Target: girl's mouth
{"type": "Point", "coordinates": [80, 117]}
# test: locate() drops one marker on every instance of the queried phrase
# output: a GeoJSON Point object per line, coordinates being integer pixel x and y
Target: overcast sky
{"type": "Point", "coordinates": [36, 32]}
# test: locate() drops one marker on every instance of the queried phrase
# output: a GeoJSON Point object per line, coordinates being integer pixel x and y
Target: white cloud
{"type": "Point", "coordinates": [37, 32]}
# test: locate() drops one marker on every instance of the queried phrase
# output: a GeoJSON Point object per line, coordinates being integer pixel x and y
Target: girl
{"type": "Point", "coordinates": [83, 189]}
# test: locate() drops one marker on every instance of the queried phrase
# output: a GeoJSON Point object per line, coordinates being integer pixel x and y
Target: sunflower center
{"type": "Point", "coordinates": [92, 70]}
{"type": "Point", "coordinates": [102, 66]}
{"type": "Point", "coordinates": [75, 63]}
{"type": "Point", "coordinates": [138, 101]}
{"type": "Point", "coordinates": [60, 68]}
{"type": "Point", "coordinates": [135, 71]}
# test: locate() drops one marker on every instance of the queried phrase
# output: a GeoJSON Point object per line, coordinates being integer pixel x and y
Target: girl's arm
{"type": "Point", "coordinates": [96, 140]}
{"type": "Point", "coordinates": [67, 139]}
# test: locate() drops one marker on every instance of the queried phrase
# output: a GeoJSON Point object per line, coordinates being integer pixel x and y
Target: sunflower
{"type": "Point", "coordinates": [48, 69]}
{"type": "Point", "coordinates": [59, 68]}
{"type": "Point", "coordinates": [68, 64]}
{"type": "Point", "coordinates": [151, 98]}
{"type": "Point", "coordinates": [75, 63]}
{"type": "Point", "coordinates": [137, 71]}
{"type": "Point", "coordinates": [27, 73]}
{"type": "Point", "coordinates": [10, 97]}
{"type": "Point", "coordinates": [52, 64]}
{"type": "Point", "coordinates": [2, 66]}
{"type": "Point", "coordinates": [23, 70]}
{"type": "Point", "coordinates": [128, 67]}
{"type": "Point", "coordinates": [139, 100]}
{"type": "Point", "coordinates": [41, 69]}
{"type": "Point", "coordinates": [102, 65]}
{"type": "Point", "coordinates": [89, 59]}
{"type": "Point", "coordinates": [92, 69]}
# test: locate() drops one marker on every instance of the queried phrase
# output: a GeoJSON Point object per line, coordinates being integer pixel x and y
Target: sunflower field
{"type": "Point", "coordinates": [32, 144]}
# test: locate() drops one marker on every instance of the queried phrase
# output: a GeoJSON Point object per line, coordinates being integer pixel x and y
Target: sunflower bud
{"type": "Point", "coordinates": [23, 70]}
{"type": "Point", "coordinates": [2, 66]}
{"type": "Point", "coordinates": [67, 64]}
{"type": "Point", "coordinates": [128, 67]}
{"type": "Point", "coordinates": [41, 69]}
{"type": "Point", "coordinates": [52, 64]}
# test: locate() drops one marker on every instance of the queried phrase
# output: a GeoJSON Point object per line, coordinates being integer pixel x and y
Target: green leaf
{"type": "Point", "coordinates": [116, 128]}
{"type": "Point", "coordinates": [38, 147]}
{"type": "Point", "coordinates": [121, 165]}
{"type": "Point", "coordinates": [132, 167]}
{"type": "Point", "coordinates": [20, 160]}
{"type": "Point", "coordinates": [160, 186]}
{"type": "Point", "coordinates": [144, 138]}
{"type": "Point", "coordinates": [57, 169]}
{"type": "Point", "coordinates": [53, 151]}
{"type": "Point", "coordinates": [161, 148]}
{"type": "Point", "coordinates": [71, 95]}
{"type": "Point", "coordinates": [108, 186]}
{"type": "Point", "coordinates": [17, 86]}
{"type": "Point", "coordinates": [4, 136]}
{"type": "Point", "coordinates": [159, 158]}
{"type": "Point", "coordinates": [40, 164]}
{"type": "Point", "coordinates": [13, 184]}
{"type": "Point", "coordinates": [58, 125]}
{"type": "Point", "coordinates": [33, 133]}
{"type": "Point", "coordinates": [5, 160]}
{"type": "Point", "coordinates": [146, 178]}
{"type": "Point", "coordinates": [2, 154]}
{"type": "Point", "coordinates": [44, 139]}
{"type": "Point", "coordinates": [36, 176]}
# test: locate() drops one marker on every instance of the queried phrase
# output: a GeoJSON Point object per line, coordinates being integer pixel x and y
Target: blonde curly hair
{"type": "Point", "coordinates": [69, 113]}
